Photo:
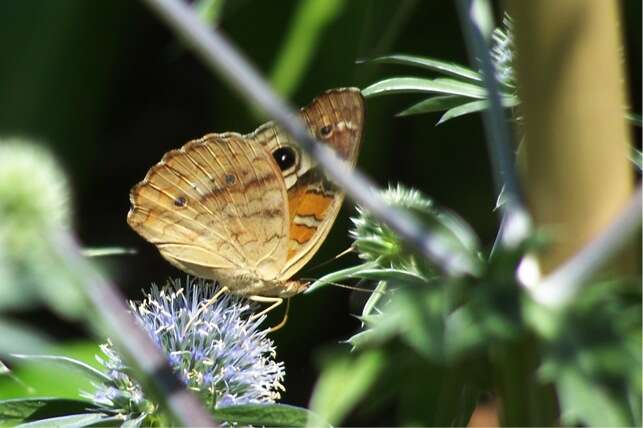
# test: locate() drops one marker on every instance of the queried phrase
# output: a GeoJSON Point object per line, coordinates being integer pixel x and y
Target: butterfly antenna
{"type": "Point", "coordinates": [342, 254]}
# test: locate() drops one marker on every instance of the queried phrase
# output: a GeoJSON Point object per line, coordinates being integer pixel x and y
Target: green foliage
{"type": "Point", "coordinates": [44, 410]}
{"type": "Point", "coordinates": [343, 382]}
{"type": "Point", "coordinates": [592, 352]}
{"type": "Point", "coordinates": [463, 92]}
{"type": "Point", "coordinates": [60, 375]}
{"type": "Point", "coordinates": [487, 323]}
{"type": "Point", "coordinates": [311, 18]}
{"type": "Point", "coordinates": [48, 412]}
{"type": "Point", "coordinates": [268, 415]}
{"type": "Point", "coordinates": [425, 335]}
{"type": "Point", "coordinates": [209, 10]}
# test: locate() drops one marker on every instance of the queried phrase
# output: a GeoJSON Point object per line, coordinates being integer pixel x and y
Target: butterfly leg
{"type": "Point", "coordinates": [210, 301]}
{"type": "Point", "coordinates": [276, 301]}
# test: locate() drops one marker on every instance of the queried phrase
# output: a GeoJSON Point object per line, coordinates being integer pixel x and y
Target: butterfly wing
{"type": "Point", "coordinates": [334, 118]}
{"type": "Point", "coordinates": [215, 208]}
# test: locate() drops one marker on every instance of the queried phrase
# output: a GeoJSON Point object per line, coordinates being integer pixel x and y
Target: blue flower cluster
{"type": "Point", "coordinates": [213, 343]}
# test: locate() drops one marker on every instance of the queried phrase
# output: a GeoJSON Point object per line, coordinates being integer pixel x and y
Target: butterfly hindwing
{"type": "Point", "coordinates": [336, 119]}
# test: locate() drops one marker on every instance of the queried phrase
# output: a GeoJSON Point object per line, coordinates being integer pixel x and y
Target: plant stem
{"type": "Point", "coordinates": [515, 225]}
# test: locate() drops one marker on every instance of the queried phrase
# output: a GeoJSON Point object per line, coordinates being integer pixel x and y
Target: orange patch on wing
{"type": "Point", "coordinates": [305, 203]}
{"type": "Point", "coordinates": [309, 204]}
{"type": "Point", "coordinates": [301, 233]}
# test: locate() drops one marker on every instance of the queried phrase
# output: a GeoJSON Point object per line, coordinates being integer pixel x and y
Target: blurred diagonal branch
{"type": "Point", "coordinates": [559, 287]}
{"type": "Point", "coordinates": [114, 319]}
{"type": "Point", "coordinates": [220, 56]}
{"type": "Point", "coordinates": [496, 127]}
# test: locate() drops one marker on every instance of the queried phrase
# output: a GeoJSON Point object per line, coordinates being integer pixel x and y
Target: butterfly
{"type": "Point", "coordinates": [249, 210]}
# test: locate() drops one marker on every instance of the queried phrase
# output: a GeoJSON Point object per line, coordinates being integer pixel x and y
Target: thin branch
{"type": "Point", "coordinates": [112, 316]}
{"type": "Point", "coordinates": [515, 220]}
{"type": "Point", "coordinates": [221, 57]}
{"type": "Point", "coordinates": [559, 287]}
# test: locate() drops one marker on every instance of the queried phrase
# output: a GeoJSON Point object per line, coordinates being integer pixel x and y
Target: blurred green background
{"type": "Point", "coordinates": [109, 89]}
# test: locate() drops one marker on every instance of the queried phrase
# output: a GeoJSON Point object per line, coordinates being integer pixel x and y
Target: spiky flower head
{"type": "Point", "coordinates": [502, 52]}
{"type": "Point", "coordinates": [33, 189]}
{"type": "Point", "coordinates": [34, 207]}
{"type": "Point", "coordinates": [376, 242]}
{"type": "Point", "coordinates": [214, 345]}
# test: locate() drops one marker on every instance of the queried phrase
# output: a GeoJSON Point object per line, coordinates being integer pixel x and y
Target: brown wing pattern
{"type": "Point", "coordinates": [335, 118]}
{"type": "Point", "coordinates": [215, 208]}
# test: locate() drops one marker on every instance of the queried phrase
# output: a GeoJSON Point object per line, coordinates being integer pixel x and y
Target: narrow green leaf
{"type": "Point", "coordinates": [384, 327]}
{"type": "Point", "coordinates": [397, 85]}
{"type": "Point", "coordinates": [339, 275]}
{"type": "Point", "coordinates": [637, 158]}
{"type": "Point", "coordinates": [134, 423]}
{"type": "Point", "coordinates": [445, 67]}
{"type": "Point", "coordinates": [343, 383]}
{"type": "Point", "coordinates": [75, 421]}
{"type": "Point", "coordinates": [67, 362]}
{"type": "Point", "coordinates": [209, 10]}
{"type": "Point", "coordinates": [391, 274]}
{"type": "Point", "coordinates": [28, 409]}
{"type": "Point", "coordinates": [433, 104]}
{"type": "Point", "coordinates": [634, 118]}
{"type": "Point", "coordinates": [374, 298]}
{"type": "Point", "coordinates": [588, 403]}
{"type": "Point", "coordinates": [302, 41]}
{"type": "Point", "coordinates": [107, 251]}
{"type": "Point", "coordinates": [475, 106]}
{"type": "Point", "coordinates": [268, 415]}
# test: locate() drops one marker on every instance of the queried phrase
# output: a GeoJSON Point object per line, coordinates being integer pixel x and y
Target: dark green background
{"type": "Point", "coordinates": [109, 89]}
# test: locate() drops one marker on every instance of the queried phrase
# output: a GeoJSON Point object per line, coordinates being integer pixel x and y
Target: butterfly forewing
{"type": "Point", "coordinates": [214, 207]}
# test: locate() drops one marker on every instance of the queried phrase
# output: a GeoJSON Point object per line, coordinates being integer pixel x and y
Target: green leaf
{"type": "Point", "coordinates": [134, 423]}
{"type": "Point", "coordinates": [45, 380]}
{"type": "Point", "coordinates": [374, 298]}
{"type": "Point", "coordinates": [75, 421]}
{"type": "Point", "coordinates": [16, 337]}
{"type": "Point", "coordinates": [393, 275]}
{"type": "Point", "coordinates": [583, 401]}
{"type": "Point", "coordinates": [107, 251]}
{"type": "Point", "coordinates": [268, 415]}
{"type": "Point", "coordinates": [382, 328]}
{"type": "Point", "coordinates": [31, 409]}
{"type": "Point", "coordinates": [343, 383]}
{"type": "Point", "coordinates": [445, 67]}
{"type": "Point", "coordinates": [86, 369]}
{"type": "Point", "coordinates": [398, 85]}
{"type": "Point", "coordinates": [433, 104]}
{"type": "Point", "coordinates": [302, 41]}
{"type": "Point", "coordinates": [475, 106]}
{"type": "Point", "coordinates": [209, 10]}
{"type": "Point", "coordinates": [352, 272]}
